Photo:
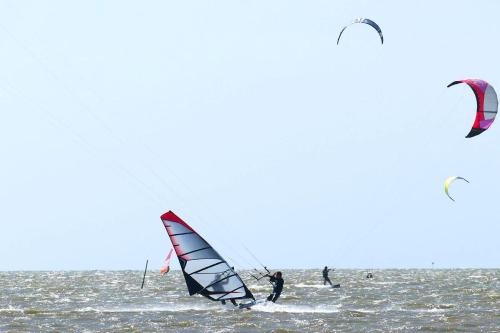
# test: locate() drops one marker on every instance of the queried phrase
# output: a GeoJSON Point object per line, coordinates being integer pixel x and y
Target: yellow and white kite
{"type": "Point", "coordinates": [448, 182]}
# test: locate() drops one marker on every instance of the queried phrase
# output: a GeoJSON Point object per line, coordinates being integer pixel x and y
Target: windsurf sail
{"type": "Point", "coordinates": [205, 271]}
{"type": "Point", "coordinates": [165, 268]}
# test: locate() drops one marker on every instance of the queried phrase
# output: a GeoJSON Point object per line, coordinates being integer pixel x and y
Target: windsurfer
{"type": "Point", "coordinates": [277, 282]}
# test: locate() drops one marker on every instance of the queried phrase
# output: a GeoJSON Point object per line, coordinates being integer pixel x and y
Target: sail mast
{"type": "Point", "coordinates": [144, 276]}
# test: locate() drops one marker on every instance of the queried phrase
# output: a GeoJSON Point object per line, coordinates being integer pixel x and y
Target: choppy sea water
{"type": "Point", "coordinates": [465, 300]}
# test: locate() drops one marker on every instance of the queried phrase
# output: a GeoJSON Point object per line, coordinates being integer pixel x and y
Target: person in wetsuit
{"type": "Point", "coordinates": [325, 276]}
{"type": "Point", "coordinates": [277, 282]}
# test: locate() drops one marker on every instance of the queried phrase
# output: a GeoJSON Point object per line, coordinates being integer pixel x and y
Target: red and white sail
{"type": "Point", "coordinates": [205, 271]}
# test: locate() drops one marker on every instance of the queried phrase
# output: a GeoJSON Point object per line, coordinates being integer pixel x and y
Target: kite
{"type": "Point", "coordinates": [487, 105]}
{"type": "Point", "coordinates": [448, 182]}
{"type": "Point", "coordinates": [366, 21]}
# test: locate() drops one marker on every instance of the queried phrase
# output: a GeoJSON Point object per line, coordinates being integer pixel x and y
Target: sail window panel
{"type": "Point", "coordinates": [225, 285]}
{"type": "Point", "coordinates": [190, 242]}
{"type": "Point", "coordinates": [202, 254]}
{"type": "Point", "coordinates": [206, 279]}
{"type": "Point", "coordinates": [175, 228]}
{"type": "Point", "coordinates": [212, 278]}
{"type": "Point", "coordinates": [206, 265]}
{"type": "Point", "coordinates": [241, 292]}
{"type": "Point", "coordinates": [219, 269]}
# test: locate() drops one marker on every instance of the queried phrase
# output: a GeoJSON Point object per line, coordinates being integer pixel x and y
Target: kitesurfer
{"type": "Point", "coordinates": [325, 276]}
{"type": "Point", "coordinates": [277, 282]}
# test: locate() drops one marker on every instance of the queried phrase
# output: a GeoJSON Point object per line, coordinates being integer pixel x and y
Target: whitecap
{"type": "Point", "coordinates": [165, 308]}
{"type": "Point", "coordinates": [318, 286]}
{"type": "Point", "coordinates": [272, 307]}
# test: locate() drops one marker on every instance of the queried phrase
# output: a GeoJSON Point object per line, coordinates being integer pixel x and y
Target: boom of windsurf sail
{"type": "Point", "coordinates": [205, 271]}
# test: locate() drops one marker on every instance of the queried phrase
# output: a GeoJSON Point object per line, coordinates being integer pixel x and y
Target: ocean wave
{"type": "Point", "coordinates": [272, 307]}
{"type": "Point", "coordinates": [166, 308]}
{"type": "Point", "coordinates": [11, 309]}
{"type": "Point", "coordinates": [359, 312]}
{"type": "Point", "coordinates": [385, 282]}
{"type": "Point", "coordinates": [433, 310]}
{"type": "Point", "coordinates": [317, 286]}
{"type": "Point", "coordinates": [255, 287]}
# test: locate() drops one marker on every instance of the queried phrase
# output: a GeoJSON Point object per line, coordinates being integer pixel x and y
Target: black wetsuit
{"type": "Point", "coordinates": [325, 277]}
{"type": "Point", "coordinates": [277, 288]}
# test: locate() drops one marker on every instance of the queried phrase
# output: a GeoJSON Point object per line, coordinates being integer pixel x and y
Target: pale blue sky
{"type": "Point", "coordinates": [248, 121]}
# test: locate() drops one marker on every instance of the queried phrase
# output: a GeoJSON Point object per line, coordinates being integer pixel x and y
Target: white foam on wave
{"type": "Point", "coordinates": [433, 310]}
{"type": "Point", "coordinates": [362, 310]}
{"type": "Point", "coordinates": [379, 301]}
{"type": "Point", "coordinates": [385, 282]}
{"type": "Point", "coordinates": [259, 287]}
{"type": "Point", "coordinates": [87, 309]}
{"type": "Point", "coordinates": [11, 309]}
{"type": "Point", "coordinates": [398, 307]}
{"type": "Point", "coordinates": [272, 307]}
{"type": "Point", "coordinates": [163, 308]}
{"type": "Point", "coordinates": [318, 286]}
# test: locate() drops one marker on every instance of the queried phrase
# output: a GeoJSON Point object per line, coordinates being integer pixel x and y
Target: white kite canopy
{"type": "Point", "coordinates": [205, 271]}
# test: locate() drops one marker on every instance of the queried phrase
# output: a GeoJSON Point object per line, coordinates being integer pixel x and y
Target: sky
{"type": "Point", "coordinates": [249, 122]}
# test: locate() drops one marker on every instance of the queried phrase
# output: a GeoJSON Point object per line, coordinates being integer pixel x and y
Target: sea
{"type": "Point", "coordinates": [394, 300]}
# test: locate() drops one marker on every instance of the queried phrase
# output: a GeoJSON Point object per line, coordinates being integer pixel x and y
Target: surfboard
{"type": "Point", "coordinates": [252, 303]}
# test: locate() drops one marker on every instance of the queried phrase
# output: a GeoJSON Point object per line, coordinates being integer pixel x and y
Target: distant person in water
{"type": "Point", "coordinates": [277, 282]}
{"type": "Point", "coordinates": [325, 276]}
{"type": "Point", "coordinates": [369, 276]}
